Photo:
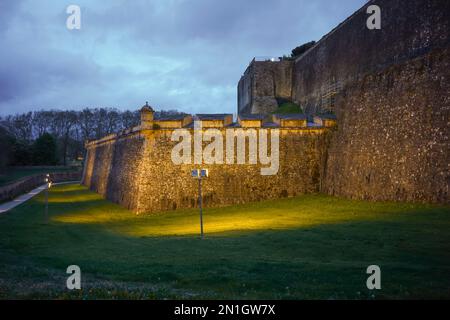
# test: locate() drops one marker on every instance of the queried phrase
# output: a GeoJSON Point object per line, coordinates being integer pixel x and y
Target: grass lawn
{"type": "Point", "coordinates": [13, 174]}
{"type": "Point", "coordinates": [307, 247]}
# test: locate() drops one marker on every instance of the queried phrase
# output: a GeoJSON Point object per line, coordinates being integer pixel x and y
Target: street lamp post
{"type": "Point", "coordinates": [200, 205]}
{"type": "Point", "coordinates": [199, 174]}
{"type": "Point", "coordinates": [48, 184]}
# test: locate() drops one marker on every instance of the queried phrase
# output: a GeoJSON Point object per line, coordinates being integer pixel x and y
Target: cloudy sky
{"type": "Point", "coordinates": [177, 54]}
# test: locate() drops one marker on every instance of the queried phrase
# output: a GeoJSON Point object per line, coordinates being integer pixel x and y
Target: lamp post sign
{"type": "Point", "coordinates": [199, 174]}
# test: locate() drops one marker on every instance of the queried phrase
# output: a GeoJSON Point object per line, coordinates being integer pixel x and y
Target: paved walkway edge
{"type": "Point", "coordinates": [5, 207]}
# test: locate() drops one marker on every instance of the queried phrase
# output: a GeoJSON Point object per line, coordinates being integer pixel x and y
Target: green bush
{"type": "Point", "coordinates": [300, 50]}
{"type": "Point", "coordinates": [6, 147]}
{"type": "Point", "coordinates": [21, 153]}
{"type": "Point", "coordinates": [44, 150]}
{"type": "Point", "coordinates": [288, 107]}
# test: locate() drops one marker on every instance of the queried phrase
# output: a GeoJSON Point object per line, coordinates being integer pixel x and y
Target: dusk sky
{"type": "Point", "coordinates": [177, 54]}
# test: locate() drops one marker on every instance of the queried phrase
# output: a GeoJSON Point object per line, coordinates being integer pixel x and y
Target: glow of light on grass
{"type": "Point", "coordinates": [211, 226]}
{"type": "Point", "coordinates": [80, 206]}
{"type": "Point", "coordinates": [186, 222]}
{"type": "Point", "coordinates": [187, 225]}
{"type": "Point", "coordinates": [63, 198]}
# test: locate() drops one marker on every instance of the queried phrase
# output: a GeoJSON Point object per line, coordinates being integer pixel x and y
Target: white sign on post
{"type": "Point", "coordinates": [204, 173]}
{"type": "Point", "coordinates": [195, 173]}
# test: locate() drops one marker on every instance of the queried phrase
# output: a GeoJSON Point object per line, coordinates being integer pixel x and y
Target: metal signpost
{"type": "Point", "coordinates": [199, 174]}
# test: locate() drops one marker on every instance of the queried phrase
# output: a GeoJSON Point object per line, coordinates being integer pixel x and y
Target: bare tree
{"type": "Point", "coordinates": [86, 123]}
{"type": "Point", "coordinates": [69, 128]}
{"type": "Point", "coordinates": [112, 121]}
{"type": "Point", "coordinates": [67, 120]}
{"type": "Point", "coordinates": [130, 119]}
{"type": "Point", "coordinates": [20, 125]}
{"type": "Point", "coordinates": [41, 122]}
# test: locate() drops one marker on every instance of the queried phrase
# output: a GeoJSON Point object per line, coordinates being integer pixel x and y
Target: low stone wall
{"type": "Point", "coordinates": [24, 185]}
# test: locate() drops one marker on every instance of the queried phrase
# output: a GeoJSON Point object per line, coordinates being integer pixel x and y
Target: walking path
{"type": "Point", "coordinates": [4, 207]}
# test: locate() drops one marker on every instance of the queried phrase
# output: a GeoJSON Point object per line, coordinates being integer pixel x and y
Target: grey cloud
{"type": "Point", "coordinates": [179, 54]}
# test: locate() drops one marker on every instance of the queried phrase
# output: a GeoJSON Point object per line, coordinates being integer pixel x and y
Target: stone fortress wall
{"type": "Point", "coordinates": [392, 141]}
{"type": "Point", "coordinates": [388, 88]}
{"type": "Point", "coordinates": [134, 168]}
{"type": "Point", "coordinates": [409, 29]}
{"type": "Point", "coordinates": [112, 167]}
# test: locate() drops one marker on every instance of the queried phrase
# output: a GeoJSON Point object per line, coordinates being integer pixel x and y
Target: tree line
{"type": "Point", "coordinates": [56, 137]}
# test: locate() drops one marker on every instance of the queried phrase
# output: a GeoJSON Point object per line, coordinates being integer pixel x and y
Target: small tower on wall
{"type": "Point", "coordinates": [147, 117]}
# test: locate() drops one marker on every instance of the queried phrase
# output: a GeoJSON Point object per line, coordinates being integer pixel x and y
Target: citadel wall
{"type": "Point", "coordinates": [112, 167]}
{"type": "Point", "coordinates": [392, 140]}
{"type": "Point", "coordinates": [409, 29]}
{"type": "Point", "coordinates": [137, 171]}
{"type": "Point", "coordinates": [166, 186]}
{"type": "Point", "coordinates": [389, 91]}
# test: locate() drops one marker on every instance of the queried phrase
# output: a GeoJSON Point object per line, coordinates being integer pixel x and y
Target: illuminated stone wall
{"type": "Point", "coordinates": [112, 168]}
{"type": "Point", "coordinates": [392, 141]}
{"type": "Point", "coordinates": [392, 106]}
{"type": "Point", "coordinates": [137, 172]}
{"type": "Point", "coordinates": [389, 90]}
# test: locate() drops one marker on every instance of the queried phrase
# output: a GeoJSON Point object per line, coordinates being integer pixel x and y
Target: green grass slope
{"type": "Point", "coordinates": [307, 247]}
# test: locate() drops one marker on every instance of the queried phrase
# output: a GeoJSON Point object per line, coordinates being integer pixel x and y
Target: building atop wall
{"type": "Point", "coordinates": [315, 79]}
{"type": "Point", "coordinates": [265, 82]}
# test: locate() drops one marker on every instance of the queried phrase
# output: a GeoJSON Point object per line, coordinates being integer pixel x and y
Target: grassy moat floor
{"type": "Point", "coordinates": [307, 247]}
